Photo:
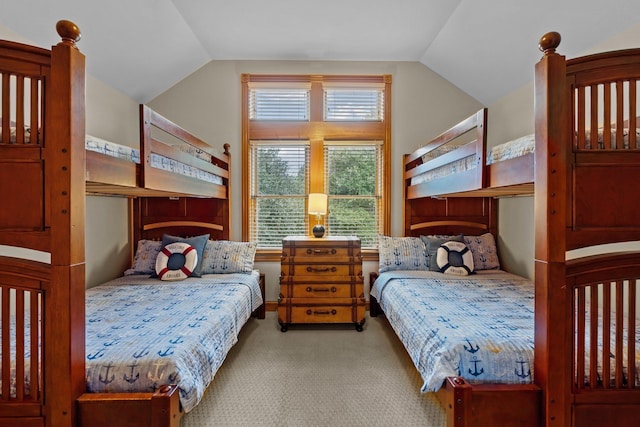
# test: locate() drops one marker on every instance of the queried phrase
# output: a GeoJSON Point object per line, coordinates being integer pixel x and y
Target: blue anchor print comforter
{"type": "Point", "coordinates": [479, 327]}
{"type": "Point", "coordinates": [142, 333]}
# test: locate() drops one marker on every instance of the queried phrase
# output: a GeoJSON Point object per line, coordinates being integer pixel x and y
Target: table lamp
{"type": "Point", "coordinates": [318, 207]}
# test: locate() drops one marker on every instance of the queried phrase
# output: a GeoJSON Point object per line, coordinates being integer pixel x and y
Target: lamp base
{"type": "Point", "coordinates": [318, 230]}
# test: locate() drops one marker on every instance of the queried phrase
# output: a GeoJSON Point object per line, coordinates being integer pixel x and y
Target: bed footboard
{"type": "Point", "coordinates": [490, 405]}
{"type": "Point", "coordinates": [159, 409]}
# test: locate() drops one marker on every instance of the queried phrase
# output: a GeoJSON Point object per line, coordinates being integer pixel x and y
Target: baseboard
{"type": "Point", "coordinates": [271, 305]}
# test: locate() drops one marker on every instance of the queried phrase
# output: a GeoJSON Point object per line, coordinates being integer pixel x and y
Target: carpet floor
{"type": "Point", "coordinates": [316, 375]}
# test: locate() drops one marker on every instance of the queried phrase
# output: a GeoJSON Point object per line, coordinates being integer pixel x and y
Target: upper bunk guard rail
{"type": "Point", "coordinates": [173, 163]}
{"type": "Point", "coordinates": [474, 178]}
{"type": "Point", "coordinates": [604, 147]}
{"type": "Point", "coordinates": [23, 72]}
{"type": "Point", "coordinates": [156, 179]}
{"type": "Point", "coordinates": [604, 90]}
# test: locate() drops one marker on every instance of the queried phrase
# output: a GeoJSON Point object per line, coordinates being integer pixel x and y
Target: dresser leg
{"type": "Point", "coordinates": [359, 327]}
{"type": "Point", "coordinates": [284, 327]}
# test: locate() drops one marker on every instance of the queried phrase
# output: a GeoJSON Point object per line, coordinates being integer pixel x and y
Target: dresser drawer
{"type": "Point", "coordinates": [336, 310]}
{"type": "Point", "coordinates": [294, 289]}
{"type": "Point", "coordinates": [319, 252]}
{"type": "Point", "coordinates": [321, 269]}
{"type": "Point", "coordinates": [327, 247]}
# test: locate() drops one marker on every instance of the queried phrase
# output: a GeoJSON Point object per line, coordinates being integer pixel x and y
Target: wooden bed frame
{"type": "Point", "coordinates": [46, 180]}
{"type": "Point", "coordinates": [583, 198]}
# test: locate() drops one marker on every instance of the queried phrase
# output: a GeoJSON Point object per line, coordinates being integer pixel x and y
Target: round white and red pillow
{"type": "Point", "coordinates": [176, 261]}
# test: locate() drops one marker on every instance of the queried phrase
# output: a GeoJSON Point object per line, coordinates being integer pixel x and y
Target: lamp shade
{"type": "Point", "coordinates": [317, 204]}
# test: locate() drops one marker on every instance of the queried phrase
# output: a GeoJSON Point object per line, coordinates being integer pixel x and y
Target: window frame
{"type": "Point", "coordinates": [316, 130]}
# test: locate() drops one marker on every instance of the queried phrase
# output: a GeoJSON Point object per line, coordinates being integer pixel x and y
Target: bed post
{"type": "Point", "coordinates": [64, 349]}
{"type": "Point", "coordinates": [553, 344]}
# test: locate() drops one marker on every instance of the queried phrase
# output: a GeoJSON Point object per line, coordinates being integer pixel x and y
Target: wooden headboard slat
{"type": "Point", "coordinates": [183, 224]}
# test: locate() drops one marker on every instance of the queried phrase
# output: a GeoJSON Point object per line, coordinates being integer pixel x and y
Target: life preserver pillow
{"type": "Point", "coordinates": [454, 258]}
{"type": "Point", "coordinates": [176, 261]}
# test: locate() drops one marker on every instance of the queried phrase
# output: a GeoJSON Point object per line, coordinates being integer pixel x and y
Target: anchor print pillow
{"type": "Point", "coordinates": [144, 262]}
{"type": "Point", "coordinates": [401, 253]}
{"type": "Point", "coordinates": [224, 256]}
{"type": "Point", "coordinates": [484, 251]}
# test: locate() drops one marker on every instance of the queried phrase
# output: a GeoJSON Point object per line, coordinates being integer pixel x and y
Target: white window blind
{"type": "Point", "coordinates": [353, 104]}
{"type": "Point", "coordinates": [279, 186]}
{"type": "Point", "coordinates": [279, 104]}
{"type": "Point", "coordinates": [354, 184]}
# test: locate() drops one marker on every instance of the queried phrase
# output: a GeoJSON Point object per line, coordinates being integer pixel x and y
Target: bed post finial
{"type": "Point", "coordinates": [69, 32]}
{"type": "Point", "coordinates": [549, 42]}
{"type": "Point", "coordinates": [226, 148]}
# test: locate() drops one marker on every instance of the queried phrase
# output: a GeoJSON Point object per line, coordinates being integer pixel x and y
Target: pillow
{"type": "Point", "coordinates": [485, 253]}
{"type": "Point", "coordinates": [144, 261]}
{"type": "Point", "coordinates": [198, 243]}
{"type": "Point", "coordinates": [176, 261]}
{"type": "Point", "coordinates": [454, 258]}
{"type": "Point", "coordinates": [401, 253]}
{"type": "Point", "coordinates": [433, 242]}
{"type": "Point", "coordinates": [223, 256]}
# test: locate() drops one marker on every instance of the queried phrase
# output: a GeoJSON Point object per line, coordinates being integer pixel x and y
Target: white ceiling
{"type": "Point", "coordinates": [485, 47]}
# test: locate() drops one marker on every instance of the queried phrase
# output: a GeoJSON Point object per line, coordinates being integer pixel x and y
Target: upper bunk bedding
{"type": "Point", "coordinates": [130, 154]}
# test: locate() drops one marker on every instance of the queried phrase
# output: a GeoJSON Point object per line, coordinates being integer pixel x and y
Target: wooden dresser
{"type": "Point", "coordinates": [321, 281]}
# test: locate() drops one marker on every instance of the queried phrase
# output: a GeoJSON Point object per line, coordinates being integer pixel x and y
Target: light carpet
{"type": "Point", "coordinates": [316, 375]}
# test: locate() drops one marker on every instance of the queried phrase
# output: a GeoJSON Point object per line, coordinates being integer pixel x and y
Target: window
{"type": "Point", "coordinates": [315, 134]}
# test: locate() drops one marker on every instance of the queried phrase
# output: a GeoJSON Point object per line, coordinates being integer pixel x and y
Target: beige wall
{"type": "Point", "coordinates": [208, 103]}
{"type": "Point", "coordinates": [113, 116]}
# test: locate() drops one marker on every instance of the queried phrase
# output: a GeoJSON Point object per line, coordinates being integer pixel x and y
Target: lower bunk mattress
{"type": "Point", "coordinates": [142, 333]}
{"type": "Point", "coordinates": [478, 327]}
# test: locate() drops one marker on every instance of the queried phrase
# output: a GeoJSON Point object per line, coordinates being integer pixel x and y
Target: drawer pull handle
{"type": "Point", "coordinates": [321, 270]}
{"type": "Point", "coordinates": [321, 312]}
{"type": "Point", "coordinates": [310, 289]}
{"type": "Point", "coordinates": [321, 251]}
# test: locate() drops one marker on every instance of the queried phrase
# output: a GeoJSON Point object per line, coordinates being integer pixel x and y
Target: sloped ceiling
{"type": "Point", "coordinates": [485, 47]}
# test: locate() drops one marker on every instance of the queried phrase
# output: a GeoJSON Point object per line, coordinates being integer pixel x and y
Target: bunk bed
{"type": "Point", "coordinates": [459, 163]}
{"type": "Point", "coordinates": [169, 161]}
{"type": "Point", "coordinates": [584, 198]}
{"type": "Point", "coordinates": [47, 171]}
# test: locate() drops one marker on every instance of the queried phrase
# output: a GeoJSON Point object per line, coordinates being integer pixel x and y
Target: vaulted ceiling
{"type": "Point", "coordinates": [485, 47]}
